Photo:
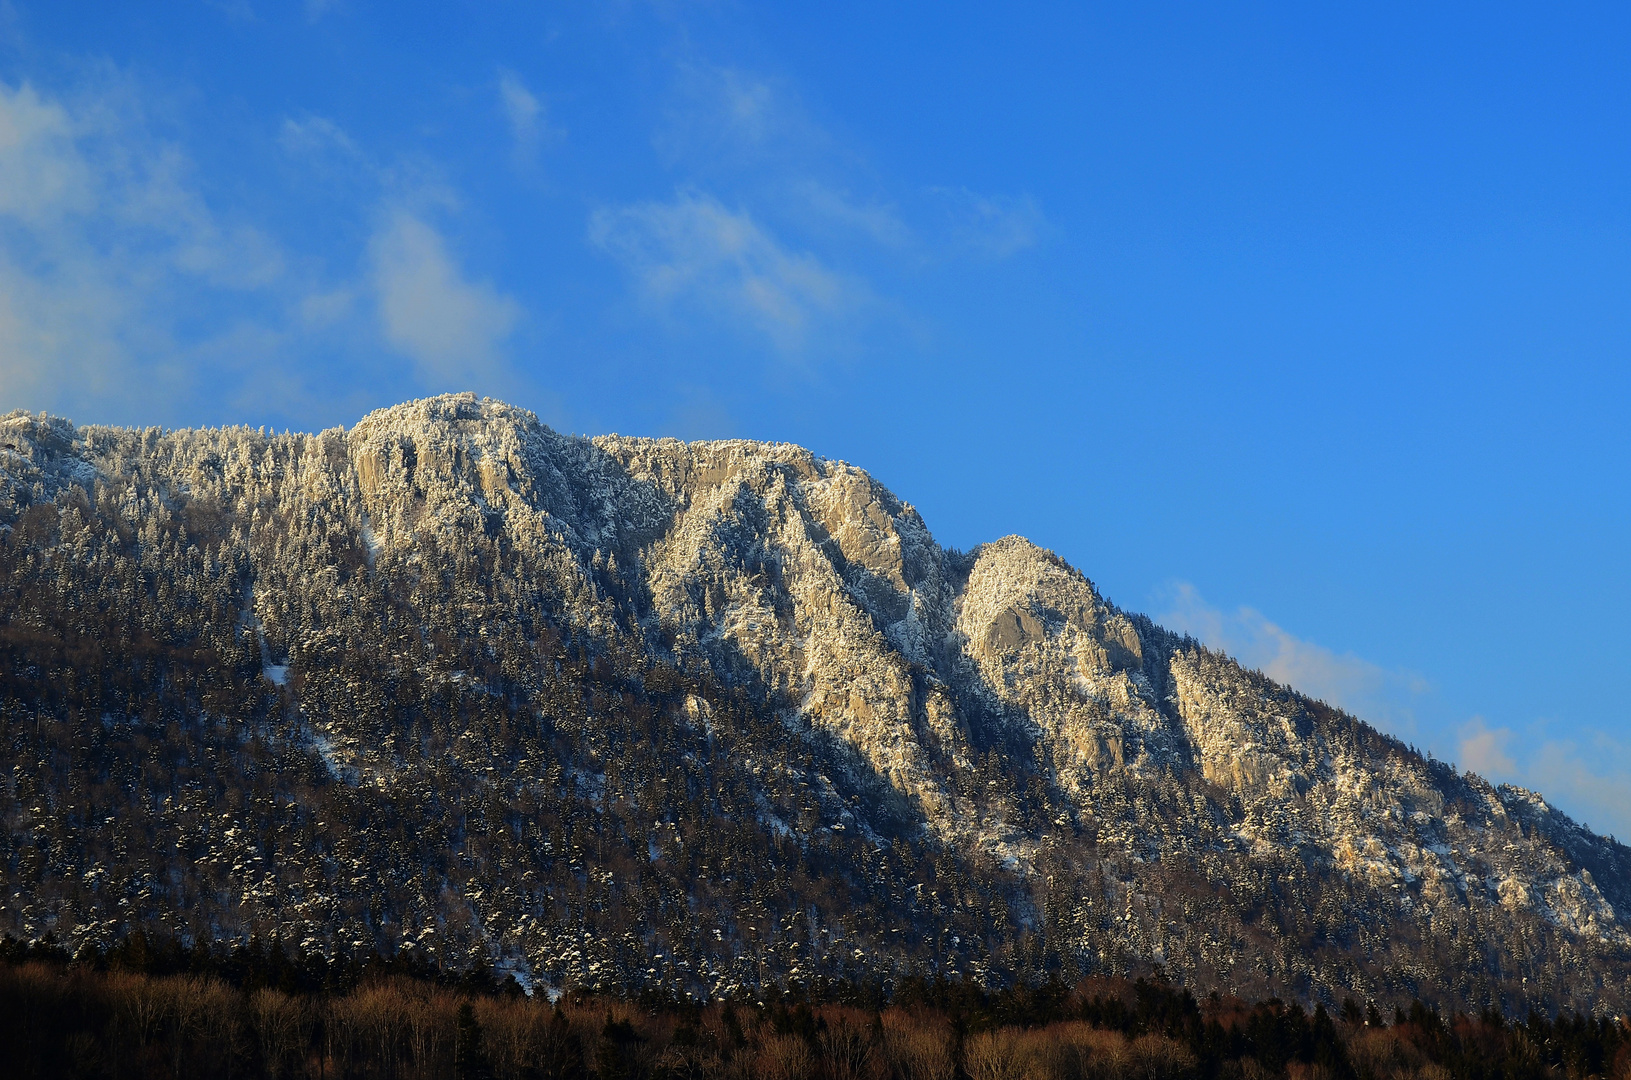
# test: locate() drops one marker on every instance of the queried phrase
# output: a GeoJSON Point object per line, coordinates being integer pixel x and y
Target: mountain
{"type": "Point", "coordinates": [700, 717]}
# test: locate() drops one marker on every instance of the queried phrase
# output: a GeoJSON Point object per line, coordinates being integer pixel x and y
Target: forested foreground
{"type": "Point", "coordinates": [162, 1011]}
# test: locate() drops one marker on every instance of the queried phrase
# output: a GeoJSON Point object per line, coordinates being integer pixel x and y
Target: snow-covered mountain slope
{"type": "Point", "coordinates": [708, 715]}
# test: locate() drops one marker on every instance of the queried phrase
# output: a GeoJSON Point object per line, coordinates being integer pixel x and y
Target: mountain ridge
{"type": "Point", "coordinates": [629, 655]}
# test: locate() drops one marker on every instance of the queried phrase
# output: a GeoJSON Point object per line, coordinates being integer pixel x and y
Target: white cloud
{"type": "Point", "coordinates": [695, 249]}
{"type": "Point", "coordinates": [1485, 750]}
{"type": "Point", "coordinates": [753, 140]}
{"type": "Point", "coordinates": [876, 221]}
{"type": "Point", "coordinates": [747, 101]}
{"type": "Point", "coordinates": [316, 135]}
{"type": "Point", "coordinates": [42, 173]}
{"type": "Point", "coordinates": [748, 107]}
{"type": "Point", "coordinates": [995, 226]}
{"type": "Point", "coordinates": [129, 294]}
{"type": "Point", "coordinates": [230, 256]}
{"type": "Point", "coordinates": [720, 115]}
{"type": "Point", "coordinates": [524, 112]}
{"type": "Point", "coordinates": [323, 153]}
{"type": "Point", "coordinates": [235, 9]}
{"type": "Point", "coordinates": [453, 328]}
{"type": "Point", "coordinates": [324, 309]}
{"type": "Point", "coordinates": [64, 343]}
{"type": "Point", "coordinates": [102, 229]}
{"type": "Point", "coordinates": [426, 306]}
{"type": "Point", "coordinates": [1590, 783]}
{"type": "Point", "coordinates": [1371, 692]}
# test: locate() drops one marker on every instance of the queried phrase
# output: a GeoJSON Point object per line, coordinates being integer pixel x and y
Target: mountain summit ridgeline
{"type": "Point", "coordinates": [703, 718]}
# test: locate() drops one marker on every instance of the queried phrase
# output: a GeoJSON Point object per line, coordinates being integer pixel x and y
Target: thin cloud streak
{"type": "Point", "coordinates": [694, 250]}
{"type": "Point", "coordinates": [316, 135]}
{"type": "Point", "coordinates": [102, 230]}
{"type": "Point", "coordinates": [991, 226]}
{"type": "Point", "coordinates": [1591, 782]}
{"type": "Point", "coordinates": [527, 116]}
{"type": "Point", "coordinates": [732, 119]}
{"type": "Point", "coordinates": [742, 130]}
{"type": "Point", "coordinates": [877, 222]}
{"type": "Point", "coordinates": [1371, 692]}
{"type": "Point", "coordinates": [127, 295]}
{"type": "Point", "coordinates": [1486, 750]}
{"type": "Point", "coordinates": [452, 328]}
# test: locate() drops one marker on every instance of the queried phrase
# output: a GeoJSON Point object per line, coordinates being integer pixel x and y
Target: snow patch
{"type": "Point", "coordinates": [372, 545]}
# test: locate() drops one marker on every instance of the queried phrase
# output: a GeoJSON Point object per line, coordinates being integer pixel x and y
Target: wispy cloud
{"type": "Point", "coordinates": [525, 113]}
{"type": "Point", "coordinates": [1380, 695]}
{"type": "Point", "coordinates": [453, 328]}
{"type": "Point", "coordinates": [695, 250]}
{"type": "Point", "coordinates": [780, 222]}
{"type": "Point", "coordinates": [875, 220]}
{"type": "Point", "coordinates": [102, 228]}
{"type": "Point", "coordinates": [1486, 751]}
{"type": "Point", "coordinates": [43, 175]}
{"type": "Point", "coordinates": [128, 293]}
{"type": "Point", "coordinates": [993, 226]}
{"type": "Point", "coordinates": [749, 130]}
{"type": "Point", "coordinates": [314, 136]}
{"type": "Point", "coordinates": [749, 106]}
{"type": "Point", "coordinates": [1589, 775]}
{"type": "Point", "coordinates": [723, 117]}
{"type": "Point", "coordinates": [238, 10]}
{"type": "Point", "coordinates": [1594, 778]}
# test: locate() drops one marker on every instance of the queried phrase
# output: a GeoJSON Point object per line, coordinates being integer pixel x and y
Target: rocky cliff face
{"type": "Point", "coordinates": [712, 716]}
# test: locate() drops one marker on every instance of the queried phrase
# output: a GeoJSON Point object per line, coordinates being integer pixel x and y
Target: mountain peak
{"type": "Point", "coordinates": [451, 681]}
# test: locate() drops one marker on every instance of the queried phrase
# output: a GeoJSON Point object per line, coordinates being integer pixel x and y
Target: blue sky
{"type": "Point", "coordinates": [1301, 329]}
